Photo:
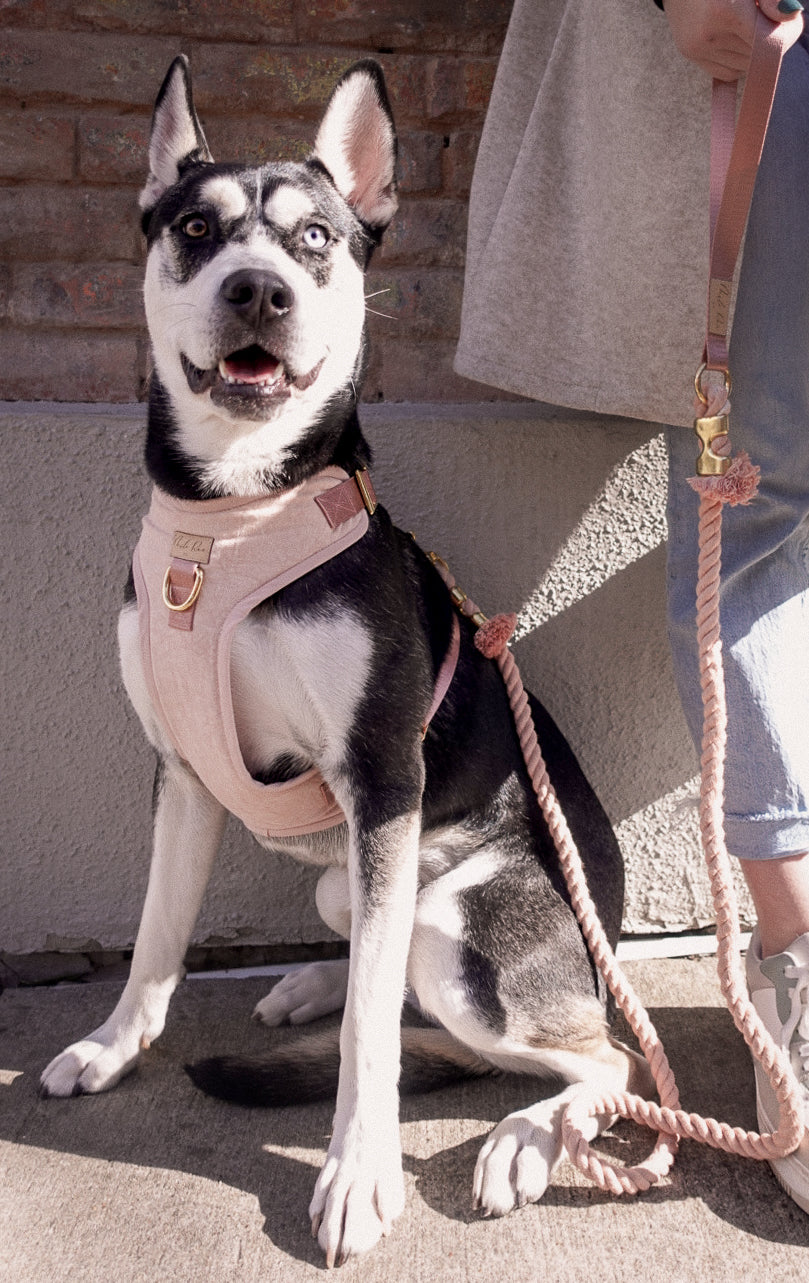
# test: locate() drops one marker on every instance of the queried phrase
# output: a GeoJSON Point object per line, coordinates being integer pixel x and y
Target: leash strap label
{"type": "Point", "coordinates": [719, 294]}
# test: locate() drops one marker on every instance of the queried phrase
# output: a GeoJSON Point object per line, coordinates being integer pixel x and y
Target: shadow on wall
{"type": "Point", "coordinates": [562, 520]}
{"type": "Point", "coordinates": [561, 516]}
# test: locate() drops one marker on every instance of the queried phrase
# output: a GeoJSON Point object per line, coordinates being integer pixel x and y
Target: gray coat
{"type": "Point", "coordinates": [588, 229]}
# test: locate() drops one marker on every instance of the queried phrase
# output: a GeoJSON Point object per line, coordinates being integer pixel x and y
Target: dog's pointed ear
{"type": "Point", "coordinates": [356, 143]}
{"type": "Point", "coordinates": [176, 136]}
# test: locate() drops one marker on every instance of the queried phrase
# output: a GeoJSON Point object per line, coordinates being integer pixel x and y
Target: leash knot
{"type": "Point", "coordinates": [736, 486]}
{"type": "Point", "coordinates": [493, 636]}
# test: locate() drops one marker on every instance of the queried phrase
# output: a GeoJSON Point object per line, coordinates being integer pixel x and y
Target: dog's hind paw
{"type": "Point", "coordinates": [514, 1166]}
{"type": "Point", "coordinates": [306, 994]}
{"type": "Point", "coordinates": [517, 1162]}
{"type": "Point", "coordinates": [88, 1066]}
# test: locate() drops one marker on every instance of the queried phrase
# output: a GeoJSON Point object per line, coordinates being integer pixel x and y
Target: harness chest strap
{"type": "Point", "coordinates": [235, 553]}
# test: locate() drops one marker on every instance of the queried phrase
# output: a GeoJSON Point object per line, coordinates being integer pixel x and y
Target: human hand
{"type": "Point", "coordinates": [718, 34]}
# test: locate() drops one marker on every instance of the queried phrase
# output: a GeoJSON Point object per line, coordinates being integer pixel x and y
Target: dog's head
{"type": "Point", "coordinates": [254, 281]}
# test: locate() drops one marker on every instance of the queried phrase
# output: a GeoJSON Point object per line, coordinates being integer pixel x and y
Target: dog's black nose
{"type": "Point", "coordinates": [258, 297]}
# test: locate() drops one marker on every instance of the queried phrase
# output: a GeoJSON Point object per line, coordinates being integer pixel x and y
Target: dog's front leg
{"type": "Point", "coordinates": [187, 833]}
{"type": "Point", "coordinates": [360, 1191]}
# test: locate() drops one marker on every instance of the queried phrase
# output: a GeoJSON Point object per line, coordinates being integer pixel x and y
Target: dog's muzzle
{"type": "Point", "coordinates": [250, 379]}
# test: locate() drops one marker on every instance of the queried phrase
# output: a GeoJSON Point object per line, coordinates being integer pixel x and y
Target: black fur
{"type": "Point", "coordinates": [305, 1069]}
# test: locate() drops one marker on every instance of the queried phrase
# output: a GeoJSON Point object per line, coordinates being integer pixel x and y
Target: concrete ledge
{"type": "Point", "coordinates": [556, 514]}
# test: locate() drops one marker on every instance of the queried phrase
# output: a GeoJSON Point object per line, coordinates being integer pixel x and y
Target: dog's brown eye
{"type": "Point", "coordinates": [195, 227]}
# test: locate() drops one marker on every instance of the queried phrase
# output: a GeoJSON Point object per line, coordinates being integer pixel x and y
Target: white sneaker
{"type": "Point", "coordinates": [779, 991]}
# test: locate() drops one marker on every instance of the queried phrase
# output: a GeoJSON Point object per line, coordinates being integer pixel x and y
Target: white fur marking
{"type": "Point", "coordinates": [324, 329]}
{"type": "Point", "coordinates": [314, 991]}
{"type": "Point", "coordinates": [226, 195]}
{"type": "Point", "coordinates": [296, 686]}
{"type": "Point", "coordinates": [519, 1158]}
{"type": "Point", "coordinates": [287, 207]}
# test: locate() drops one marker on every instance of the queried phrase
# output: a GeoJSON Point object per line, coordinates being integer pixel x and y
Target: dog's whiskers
{"type": "Point", "coordinates": [375, 294]}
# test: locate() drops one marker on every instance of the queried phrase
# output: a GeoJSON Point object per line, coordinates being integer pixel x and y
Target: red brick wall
{"type": "Point", "coordinates": [77, 83]}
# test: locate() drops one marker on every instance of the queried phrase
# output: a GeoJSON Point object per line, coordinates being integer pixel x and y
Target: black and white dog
{"type": "Point", "coordinates": [442, 873]}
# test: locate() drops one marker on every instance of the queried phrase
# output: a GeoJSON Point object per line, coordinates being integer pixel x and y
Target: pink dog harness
{"type": "Point", "coordinates": [200, 567]}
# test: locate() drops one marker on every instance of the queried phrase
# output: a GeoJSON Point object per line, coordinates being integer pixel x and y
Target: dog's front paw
{"type": "Point", "coordinates": [92, 1065]}
{"type": "Point", "coordinates": [355, 1203]}
{"type": "Point", "coordinates": [313, 991]}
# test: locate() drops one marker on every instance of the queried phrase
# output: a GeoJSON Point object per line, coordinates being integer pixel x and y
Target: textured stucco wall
{"type": "Point", "coordinates": [557, 516]}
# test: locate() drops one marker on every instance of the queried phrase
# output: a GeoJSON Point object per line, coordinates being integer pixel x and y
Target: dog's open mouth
{"type": "Point", "coordinates": [248, 379]}
{"type": "Point", "coordinates": [252, 367]}
{"type": "Point", "coordinates": [250, 371]}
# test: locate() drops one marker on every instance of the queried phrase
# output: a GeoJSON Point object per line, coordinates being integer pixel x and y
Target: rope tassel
{"type": "Point", "coordinates": [737, 486]}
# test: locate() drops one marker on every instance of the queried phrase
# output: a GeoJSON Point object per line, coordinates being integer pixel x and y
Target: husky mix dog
{"type": "Point", "coordinates": [437, 865]}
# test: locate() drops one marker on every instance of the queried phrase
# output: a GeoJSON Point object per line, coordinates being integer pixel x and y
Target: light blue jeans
{"type": "Point", "coordinates": [765, 546]}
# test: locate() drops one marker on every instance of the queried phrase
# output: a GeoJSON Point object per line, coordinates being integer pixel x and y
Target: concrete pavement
{"type": "Point", "coordinates": [154, 1181]}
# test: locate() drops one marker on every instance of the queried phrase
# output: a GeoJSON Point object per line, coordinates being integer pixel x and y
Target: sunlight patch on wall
{"type": "Point", "coordinates": [626, 521]}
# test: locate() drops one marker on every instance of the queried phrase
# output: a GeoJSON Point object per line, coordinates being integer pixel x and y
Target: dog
{"type": "Point", "coordinates": [353, 675]}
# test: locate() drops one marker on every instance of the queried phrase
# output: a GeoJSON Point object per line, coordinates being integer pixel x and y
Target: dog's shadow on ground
{"type": "Point", "coordinates": [157, 1119]}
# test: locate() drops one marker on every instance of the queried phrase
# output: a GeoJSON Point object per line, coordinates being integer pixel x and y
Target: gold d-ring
{"type": "Point", "coordinates": [698, 382]}
{"type": "Point", "coordinates": [192, 596]}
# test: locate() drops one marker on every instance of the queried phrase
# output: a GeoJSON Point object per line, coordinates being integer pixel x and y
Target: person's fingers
{"type": "Point", "coordinates": [782, 10]}
{"type": "Point", "coordinates": [717, 35]}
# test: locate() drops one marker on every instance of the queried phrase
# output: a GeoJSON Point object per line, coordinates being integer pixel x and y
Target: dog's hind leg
{"type": "Point", "coordinates": [187, 833]}
{"type": "Point", "coordinates": [498, 958]}
{"type": "Point", "coordinates": [318, 988]}
{"type": "Point", "coordinates": [306, 994]}
{"type": "Point", "coordinates": [517, 1161]}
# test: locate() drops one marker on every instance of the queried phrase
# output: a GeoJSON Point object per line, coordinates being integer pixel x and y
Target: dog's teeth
{"type": "Point", "coordinates": [265, 384]}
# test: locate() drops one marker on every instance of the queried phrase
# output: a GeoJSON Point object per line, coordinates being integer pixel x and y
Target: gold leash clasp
{"type": "Point", "coordinates": [711, 428]}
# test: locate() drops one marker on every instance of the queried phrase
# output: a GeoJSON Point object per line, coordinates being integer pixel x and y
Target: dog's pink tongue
{"type": "Point", "coordinates": [252, 365]}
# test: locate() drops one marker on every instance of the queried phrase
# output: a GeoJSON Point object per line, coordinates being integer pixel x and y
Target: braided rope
{"type": "Point", "coordinates": [667, 1118]}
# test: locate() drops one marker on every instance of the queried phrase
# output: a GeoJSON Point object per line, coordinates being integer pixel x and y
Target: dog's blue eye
{"type": "Point", "coordinates": [195, 227]}
{"type": "Point", "coordinates": [315, 236]}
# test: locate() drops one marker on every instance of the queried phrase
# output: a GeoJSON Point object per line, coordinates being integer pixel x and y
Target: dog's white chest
{"type": "Point", "coordinates": [296, 686]}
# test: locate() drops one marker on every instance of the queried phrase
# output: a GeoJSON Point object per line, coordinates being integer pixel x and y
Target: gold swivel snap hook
{"type": "Point", "coordinates": [709, 429]}
{"type": "Point", "coordinates": [192, 596]}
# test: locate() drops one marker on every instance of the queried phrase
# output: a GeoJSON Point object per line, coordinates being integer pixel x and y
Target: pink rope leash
{"type": "Point", "coordinates": [667, 1118]}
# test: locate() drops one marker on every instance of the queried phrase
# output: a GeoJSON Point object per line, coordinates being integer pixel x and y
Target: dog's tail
{"type": "Point", "coordinates": [306, 1069]}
